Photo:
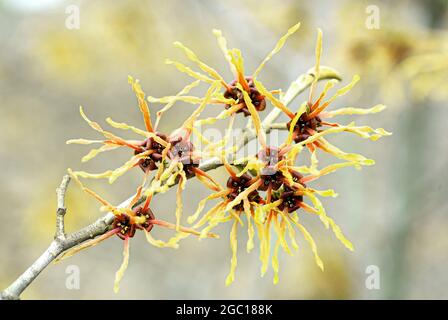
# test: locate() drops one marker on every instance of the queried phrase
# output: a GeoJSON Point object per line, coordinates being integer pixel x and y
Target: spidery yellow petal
{"type": "Point", "coordinates": [277, 48]}
{"type": "Point", "coordinates": [124, 265]}
{"type": "Point", "coordinates": [234, 246]}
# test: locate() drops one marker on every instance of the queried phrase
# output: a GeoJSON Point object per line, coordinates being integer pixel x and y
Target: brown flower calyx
{"type": "Point", "coordinates": [182, 150]}
{"type": "Point", "coordinates": [148, 215]}
{"type": "Point", "coordinates": [272, 181]}
{"type": "Point", "coordinates": [278, 179]}
{"type": "Point", "coordinates": [126, 229]}
{"type": "Point", "coordinates": [233, 92]}
{"type": "Point", "coordinates": [290, 196]}
{"type": "Point", "coordinates": [291, 201]}
{"type": "Point", "coordinates": [127, 226]}
{"type": "Point", "coordinates": [296, 177]}
{"type": "Point", "coordinates": [238, 185]}
{"type": "Point", "coordinates": [150, 162]}
{"type": "Point", "coordinates": [304, 126]}
{"type": "Point", "coordinates": [270, 157]}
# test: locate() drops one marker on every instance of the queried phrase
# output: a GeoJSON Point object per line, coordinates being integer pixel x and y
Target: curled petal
{"type": "Point", "coordinates": [222, 43]}
{"type": "Point", "coordinates": [214, 219]}
{"type": "Point", "coordinates": [324, 193]}
{"type": "Point", "coordinates": [94, 152]}
{"type": "Point", "coordinates": [172, 99]}
{"type": "Point", "coordinates": [204, 67]}
{"type": "Point", "coordinates": [344, 90]}
{"type": "Point", "coordinates": [182, 229]}
{"type": "Point", "coordinates": [207, 180]}
{"type": "Point", "coordinates": [243, 195]}
{"type": "Point", "coordinates": [275, 264]}
{"type": "Point", "coordinates": [124, 265]}
{"type": "Point", "coordinates": [316, 136]}
{"type": "Point", "coordinates": [83, 141]}
{"type": "Point", "coordinates": [301, 83]}
{"type": "Point", "coordinates": [146, 134]}
{"type": "Point", "coordinates": [86, 175]}
{"type": "Point", "coordinates": [183, 68]}
{"type": "Point", "coordinates": [237, 60]}
{"type": "Point", "coordinates": [142, 104]}
{"type": "Point", "coordinates": [262, 255]}
{"type": "Point", "coordinates": [202, 203]}
{"type": "Point", "coordinates": [234, 246]}
{"type": "Point", "coordinates": [127, 166]}
{"type": "Point", "coordinates": [75, 174]}
{"type": "Point", "coordinates": [352, 111]}
{"type": "Point", "coordinates": [330, 84]}
{"type": "Point", "coordinates": [329, 222]}
{"type": "Point", "coordinates": [261, 212]}
{"type": "Point", "coordinates": [300, 111]}
{"type": "Point", "coordinates": [251, 163]}
{"type": "Point", "coordinates": [267, 247]}
{"type": "Point", "coordinates": [291, 232]}
{"type": "Point", "coordinates": [158, 243]}
{"type": "Point", "coordinates": [311, 242]}
{"type": "Point", "coordinates": [314, 162]}
{"type": "Point", "coordinates": [368, 132]}
{"type": "Point", "coordinates": [208, 96]}
{"type": "Point", "coordinates": [320, 208]}
{"type": "Point", "coordinates": [340, 235]}
{"type": "Point", "coordinates": [222, 115]}
{"type": "Point", "coordinates": [95, 126]}
{"type": "Point", "coordinates": [277, 103]}
{"type": "Point", "coordinates": [125, 126]}
{"type": "Point", "coordinates": [85, 245]}
{"type": "Point", "coordinates": [215, 211]}
{"type": "Point", "coordinates": [255, 116]}
{"type": "Point", "coordinates": [179, 204]}
{"type": "Point", "coordinates": [169, 105]}
{"type": "Point", "coordinates": [250, 228]}
{"type": "Point", "coordinates": [174, 241]}
{"type": "Point", "coordinates": [316, 71]}
{"type": "Point", "coordinates": [277, 48]}
{"type": "Point", "coordinates": [351, 157]}
{"type": "Point", "coordinates": [168, 172]}
{"type": "Point", "coordinates": [329, 169]}
{"type": "Point", "coordinates": [161, 168]}
{"type": "Point", "coordinates": [250, 233]}
{"type": "Point", "coordinates": [114, 139]}
{"type": "Point", "coordinates": [338, 93]}
{"type": "Point", "coordinates": [280, 230]}
{"type": "Point", "coordinates": [216, 147]}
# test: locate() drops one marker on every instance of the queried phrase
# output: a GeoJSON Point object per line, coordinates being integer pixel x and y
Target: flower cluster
{"type": "Point", "coordinates": [267, 191]}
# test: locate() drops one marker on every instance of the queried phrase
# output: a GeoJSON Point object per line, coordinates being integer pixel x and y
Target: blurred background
{"type": "Point", "coordinates": [395, 212]}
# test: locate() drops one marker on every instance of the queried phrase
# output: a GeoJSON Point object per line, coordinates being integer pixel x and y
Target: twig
{"type": "Point", "coordinates": [56, 247]}
{"type": "Point", "coordinates": [63, 242]}
{"type": "Point", "coordinates": [61, 210]}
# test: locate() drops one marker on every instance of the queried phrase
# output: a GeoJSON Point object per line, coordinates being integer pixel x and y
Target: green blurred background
{"type": "Point", "coordinates": [395, 212]}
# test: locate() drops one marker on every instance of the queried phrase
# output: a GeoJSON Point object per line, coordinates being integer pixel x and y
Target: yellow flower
{"type": "Point", "coordinates": [240, 95]}
{"type": "Point", "coordinates": [268, 188]}
{"type": "Point", "coordinates": [127, 221]}
{"type": "Point", "coordinates": [267, 199]}
{"type": "Point", "coordinates": [174, 156]}
{"type": "Point", "coordinates": [308, 126]}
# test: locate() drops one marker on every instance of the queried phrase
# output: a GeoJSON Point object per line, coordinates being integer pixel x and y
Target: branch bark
{"type": "Point", "coordinates": [63, 242]}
